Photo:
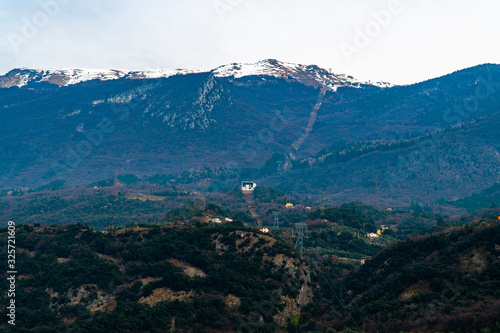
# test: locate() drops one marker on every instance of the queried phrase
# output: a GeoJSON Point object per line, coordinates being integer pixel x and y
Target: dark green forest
{"type": "Point", "coordinates": [203, 277]}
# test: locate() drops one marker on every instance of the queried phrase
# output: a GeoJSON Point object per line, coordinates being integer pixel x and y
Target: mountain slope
{"type": "Point", "coordinates": [447, 164]}
{"type": "Point", "coordinates": [446, 282]}
{"type": "Point", "coordinates": [153, 279]}
{"type": "Point", "coordinates": [212, 278]}
{"type": "Point", "coordinates": [489, 197]}
{"type": "Point", "coordinates": [239, 115]}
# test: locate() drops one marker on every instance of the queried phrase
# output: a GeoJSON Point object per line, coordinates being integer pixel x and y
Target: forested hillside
{"type": "Point", "coordinates": [203, 277]}
{"type": "Point", "coordinates": [153, 279]}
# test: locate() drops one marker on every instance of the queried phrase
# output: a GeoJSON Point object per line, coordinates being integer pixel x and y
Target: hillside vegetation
{"type": "Point", "coordinates": [203, 277]}
{"type": "Point", "coordinates": [428, 140]}
{"type": "Point", "coordinates": [443, 282]}
{"type": "Point", "coordinates": [186, 279]}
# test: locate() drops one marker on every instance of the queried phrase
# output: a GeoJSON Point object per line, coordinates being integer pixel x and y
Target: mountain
{"type": "Point", "coordinates": [191, 276]}
{"type": "Point", "coordinates": [443, 282]}
{"type": "Point", "coordinates": [449, 164]}
{"type": "Point", "coordinates": [489, 197]}
{"type": "Point", "coordinates": [307, 74]}
{"type": "Point", "coordinates": [66, 77]}
{"type": "Point", "coordinates": [151, 279]}
{"type": "Point", "coordinates": [81, 126]}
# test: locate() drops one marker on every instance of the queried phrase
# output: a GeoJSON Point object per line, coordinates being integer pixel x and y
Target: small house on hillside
{"type": "Point", "coordinates": [248, 186]}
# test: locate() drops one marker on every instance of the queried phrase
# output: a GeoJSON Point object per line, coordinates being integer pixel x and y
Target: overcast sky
{"type": "Point", "coordinates": [398, 41]}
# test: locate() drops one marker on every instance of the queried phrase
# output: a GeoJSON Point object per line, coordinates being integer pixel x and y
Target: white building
{"type": "Point", "coordinates": [248, 186]}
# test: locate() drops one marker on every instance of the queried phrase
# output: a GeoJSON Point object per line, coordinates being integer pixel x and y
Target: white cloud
{"type": "Point", "coordinates": [427, 39]}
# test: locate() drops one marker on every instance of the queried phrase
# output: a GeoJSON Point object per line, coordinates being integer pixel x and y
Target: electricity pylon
{"type": "Point", "coordinates": [322, 207]}
{"type": "Point", "coordinates": [299, 243]}
{"type": "Point", "coordinates": [279, 168]}
{"type": "Point", "coordinates": [276, 220]}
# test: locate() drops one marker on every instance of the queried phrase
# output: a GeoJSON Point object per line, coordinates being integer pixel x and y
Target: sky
{"type": "Point", "coordinates": [396, 41]}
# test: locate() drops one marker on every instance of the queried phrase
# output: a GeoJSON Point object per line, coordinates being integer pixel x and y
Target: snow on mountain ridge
{"type": "Point", "coordinates": [66, 77]}
{"type": "Point", "coordinates": [61, 77]}
{"type": "Point", "coordinates": [306, 74]}
{"type": "Point", "coordinates": [264, 67]}
{"type": "Point", "coordinates": [81, 75]}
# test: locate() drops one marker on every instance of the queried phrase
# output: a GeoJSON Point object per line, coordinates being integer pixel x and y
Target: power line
{"type": "Point", "coordinates": [347, 292]}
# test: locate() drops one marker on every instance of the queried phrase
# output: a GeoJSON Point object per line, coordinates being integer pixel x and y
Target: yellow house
{"type": "Point", "coordinates": [289, 205]}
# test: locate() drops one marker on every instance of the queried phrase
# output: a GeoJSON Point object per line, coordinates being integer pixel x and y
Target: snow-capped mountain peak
{"type": "Point", "coordinates": [268, 67]}
{"type": "Point", "coordinates": [66, 77]}
{"type": "Point", "coordinates": [306, 74]}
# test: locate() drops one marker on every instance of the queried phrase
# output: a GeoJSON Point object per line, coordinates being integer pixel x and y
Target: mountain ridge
{"type": "Point", "coordinates": [21, 77]}
{"type": "Point", "coordinates": [84, 132]}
